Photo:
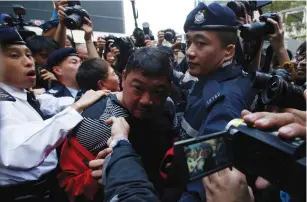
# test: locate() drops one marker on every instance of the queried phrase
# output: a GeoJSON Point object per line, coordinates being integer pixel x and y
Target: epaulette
{"type": "Point", "coordinates": [5, 96]}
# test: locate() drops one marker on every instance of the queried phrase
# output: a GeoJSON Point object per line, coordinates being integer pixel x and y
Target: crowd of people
{"type": "Point", "coordinates": [97, 121]}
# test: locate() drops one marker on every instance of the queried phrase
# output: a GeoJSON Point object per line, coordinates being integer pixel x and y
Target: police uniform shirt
{"type": "Point", "coordinates": [27, 142]}
{"type": "Point", "coordinates": [73, 92]}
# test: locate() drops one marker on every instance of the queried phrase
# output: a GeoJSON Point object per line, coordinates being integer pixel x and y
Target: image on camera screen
{"type": "Point", "coordinates": [205, 157]}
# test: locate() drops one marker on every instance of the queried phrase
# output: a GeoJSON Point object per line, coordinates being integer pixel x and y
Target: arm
{"type": "Point", "coordinates": [21, 138]}
{"type": "Point", "coordinates": [125, 178]}
{"type": "Point", "coordinates": [91, 49]}
{"type": "Point", "coordinates": [60, 35]}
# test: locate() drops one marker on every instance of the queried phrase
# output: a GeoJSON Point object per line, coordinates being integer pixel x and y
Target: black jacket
{"type": "Point", "coordinates": [124, 177]}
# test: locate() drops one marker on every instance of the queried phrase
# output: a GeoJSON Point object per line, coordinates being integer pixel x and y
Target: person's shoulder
{"type": "Point", "coordinates": [55, 90]}
{"type": "Point", "coordinates": [6, 97]}
{"type": "Point", "coordinates": [96, 109]}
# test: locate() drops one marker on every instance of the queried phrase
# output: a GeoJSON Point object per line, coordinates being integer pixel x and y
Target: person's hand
{"type": "Point", "coordinates": [120, 128]}
{"type": "Point", "coordinates": [87, 27]}
{"type": "Point", "coordinates": [89, 98]}
{"type": "Point", "coordinates": [160, 37]}
{"type": "Point", "coordinates": [47, 76]}
{"type": "Point", "coordinates": [115, 51]}
{"type": "Point", "coordinates": [291, 123]}
{"type": "Point", "coordinates": [227, 186]}
{"type": "Point", "coordinates": [277, 38]}
{"type": "Point", "coordinates": [39, 91]}
{"type": "Point", "coordinates": [61, 14]}
{"type": "Point", "coordinates": [149, 43]}
{"type": "Point", "coordinates": [97, 164]}
{"type": "Point", "coordinates": [245, 20]}
{"type": "Point", "coordinates": [59, 3]}
{"type": "Point", "coordinates": [101, 42]}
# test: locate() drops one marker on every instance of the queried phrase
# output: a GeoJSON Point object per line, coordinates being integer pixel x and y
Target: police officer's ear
{"type": "Point", "coordinates": [56, 70]}
{"type": "Point", "coordinates": [229, 52]}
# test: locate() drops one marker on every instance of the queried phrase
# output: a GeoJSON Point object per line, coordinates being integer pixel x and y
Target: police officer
{"type": "Point", "coordinates": [64, 63]}
{"type": "Point", "coordinates": [28, 140]}
{"type": "Point", "coordinates": [222, 90]}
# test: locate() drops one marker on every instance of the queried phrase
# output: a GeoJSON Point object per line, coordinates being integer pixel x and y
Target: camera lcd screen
{"type": "Point", "coordinates": [206, 157]}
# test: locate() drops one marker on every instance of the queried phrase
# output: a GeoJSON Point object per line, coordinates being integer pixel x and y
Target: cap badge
{"type": "Point", "coordinates": [199, 17]}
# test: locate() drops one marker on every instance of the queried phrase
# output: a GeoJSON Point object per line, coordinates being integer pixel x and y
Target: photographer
{"type": "Point", "coordinates": [166, 37]}
{"type": "Point", "coordinates": [299, 70]}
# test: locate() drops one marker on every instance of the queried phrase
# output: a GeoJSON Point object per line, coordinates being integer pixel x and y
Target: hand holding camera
{"type": "Point", "coordinates": [87, 27]}
{"type": "Point", "coordinates": [277, 38]}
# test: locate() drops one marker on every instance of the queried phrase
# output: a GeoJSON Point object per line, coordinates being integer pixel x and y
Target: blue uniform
{"type": "Point", "coordinates": [59, 90]}
{"type": "Point", "coordinates": [213, 102]}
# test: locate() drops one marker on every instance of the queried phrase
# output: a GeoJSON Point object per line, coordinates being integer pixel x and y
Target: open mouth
{"type": "Point", "coordinates": [31, 73]}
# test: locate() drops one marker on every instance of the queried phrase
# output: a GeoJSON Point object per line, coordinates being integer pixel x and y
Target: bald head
{"type": "Point", "coordinates": [82, 52]}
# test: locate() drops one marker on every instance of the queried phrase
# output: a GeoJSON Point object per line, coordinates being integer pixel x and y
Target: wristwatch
{"type": "Point", "coordinates": [288, 66]}
{"type": "Point", "coordinates": [116, 141]}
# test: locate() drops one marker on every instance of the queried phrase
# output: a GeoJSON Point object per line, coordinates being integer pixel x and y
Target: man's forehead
{"type": "Point", "coordinates": [15, 47]}
{"type": "Point", "coordinates": [198, 34]}
{"type": "Point", "coordinates": [139, 77]}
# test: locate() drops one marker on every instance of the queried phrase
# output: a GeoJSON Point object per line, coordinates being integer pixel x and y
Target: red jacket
{"type": "Point", "coordinates": [75, 175]}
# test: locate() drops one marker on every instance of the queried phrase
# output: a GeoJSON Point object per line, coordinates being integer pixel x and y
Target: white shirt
{"type": "Point", "coordinates": [27, 142]}
{"type": "Point", "coordinates": [72, 91]}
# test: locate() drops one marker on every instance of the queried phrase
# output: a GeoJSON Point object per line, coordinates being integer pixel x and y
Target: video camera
{"type": "Point", "coordinates": [252, 151]}
{"type": "Point", "coordinates": [75, 15]}
{"type": "Point", "coordinates": [18, 21]}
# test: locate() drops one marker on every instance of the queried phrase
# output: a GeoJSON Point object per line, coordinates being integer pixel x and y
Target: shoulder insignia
{"type": "Point", "coordinates": [5, 96]}
{"type": "Point", "coordinates": [53, 91]}
{"type": "Point", "coordinates": [213, 98]}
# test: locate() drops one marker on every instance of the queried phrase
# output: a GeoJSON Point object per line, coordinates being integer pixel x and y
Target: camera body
{"type": "Point", "coordinates": [252, 151]}
{"type": "Point", "coordinates": [139, 36]}
{"type": "Point", "coordinates": [242, 6]}
{"type": "Point", "coordinates": [75, 17]}
{"type": "Point", "coordinates": [258, 29]}
{"type": "Point", "coordinates": [169, 35]}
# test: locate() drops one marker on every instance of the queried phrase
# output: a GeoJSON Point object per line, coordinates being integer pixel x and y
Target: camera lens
{"type": "Point", "coordinates": [73, 21]}
{"type": "Point", "coordinates": [261, 79]}
{"type": "Point", "coordinates": [273, 90]}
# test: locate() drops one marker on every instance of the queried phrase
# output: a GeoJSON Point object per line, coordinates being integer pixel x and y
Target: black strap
{"type": "Point", "coordinates": [34, 103]}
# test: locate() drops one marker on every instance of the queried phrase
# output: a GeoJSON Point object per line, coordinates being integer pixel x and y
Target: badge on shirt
{"type": "Point", "coordinates": [5, 96]}
{"type": "Point", "coordinates": [213, 99]}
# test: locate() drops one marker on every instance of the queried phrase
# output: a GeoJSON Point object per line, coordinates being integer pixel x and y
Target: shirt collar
{"type": "Point", "coordinates": [15, 92]}
{"type": "Point", "coordinates": [72, 91]}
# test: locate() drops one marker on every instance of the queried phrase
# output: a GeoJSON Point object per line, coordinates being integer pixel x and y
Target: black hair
{"type": "Point", "coordinates": [90, 72]}
{"type": "Point", "coordinates": [151, 62]}
{"type": "Point", "coordinates": [301, 49]}
{"type": "Point", "coordinates": [39, 43]}
{"type": "Point", "coordinates": [227, 38]}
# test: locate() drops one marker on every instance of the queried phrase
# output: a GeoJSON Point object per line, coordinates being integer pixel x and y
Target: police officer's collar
{"type": "Point", "coordinates": [15, 92]}
{"type": "Point", "coordinates": [226, 72]}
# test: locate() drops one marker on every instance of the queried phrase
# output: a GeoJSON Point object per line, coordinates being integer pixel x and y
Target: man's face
{"type": "Point", "coordinates": [68, 68]}
{"type": "Point", "coordinates": [204, 52]}
{"type": "Point", "coordinates": [300, 68]}
{"type": "Point", "coordinates": [144, 97]}
{"type": "Point", "coordinates": [18, 66]}
{"type": "Point", "coordinates": [41, 57]}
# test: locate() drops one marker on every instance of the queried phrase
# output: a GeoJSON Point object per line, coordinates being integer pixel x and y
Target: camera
{"type": "Point", "coordinates": [258, 29]}
{"type": "Point", "coordinates": [170, 35]}
{"type": "Point", "coordinates": [239, 7]}
{"type": "Point", "coordinates": [252, 151]}
{"type": "Point", "coordinates": [139, 37]}
{"type": "Point", "coordinates": [261, 79]}
{"type": "Point", "coordinates": [18, 21]}
{"type": "Point", "coordinates": [75, 15]}
{"type": "Point", "coordinates": [283, 94]}
{"type": "Point", "coordinates": [147, 31]}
